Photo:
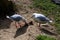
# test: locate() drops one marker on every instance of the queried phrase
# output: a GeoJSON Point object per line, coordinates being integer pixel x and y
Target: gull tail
{"type": "Point", "coordinates": [50, 21]}
{"type": "Point", "coordinates": [7, 17]}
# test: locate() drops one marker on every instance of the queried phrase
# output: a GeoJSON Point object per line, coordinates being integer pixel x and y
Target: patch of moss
{"type": "Point", "coordinates": [44, 37]}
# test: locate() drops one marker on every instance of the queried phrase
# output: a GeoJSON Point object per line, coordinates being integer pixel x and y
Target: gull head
{"type": "Point", "coordinates": [34, 13]}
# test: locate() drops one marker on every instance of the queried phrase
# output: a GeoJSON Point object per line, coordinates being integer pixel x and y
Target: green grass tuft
{"type": "Point", "coordinates": [44, 37]}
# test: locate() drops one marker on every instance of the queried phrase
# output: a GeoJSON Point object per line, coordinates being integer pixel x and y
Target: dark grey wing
{"type": "Point", "coordinates": [43, 18]}
{"type": "Point", "coordinates": [18, 18]}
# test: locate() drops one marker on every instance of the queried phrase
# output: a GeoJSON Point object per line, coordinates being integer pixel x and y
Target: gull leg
{"type": "Point", "coordinates": [19, 24]}
{"type": "Point", "coordinates": [39, 24]}
{"type": "Point", "coordinates": [16, 23]}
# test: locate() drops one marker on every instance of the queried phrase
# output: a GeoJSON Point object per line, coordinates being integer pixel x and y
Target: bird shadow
{"type": "Point", "coordinates": [5, 24]}
{"type": "Point", "coordinates": [48, 32]}
{"type": "Point", "coordinates": [21, 31]}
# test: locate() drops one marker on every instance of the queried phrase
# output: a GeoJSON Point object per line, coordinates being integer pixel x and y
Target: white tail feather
{"type": "Point", "coordinates": [50, 21]}
{"type": "Point", "coordinates": [7, 17]}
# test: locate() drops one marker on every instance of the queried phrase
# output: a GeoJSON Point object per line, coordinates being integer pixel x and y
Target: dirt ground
{"type": "Point", "coordinates": [8, 31]}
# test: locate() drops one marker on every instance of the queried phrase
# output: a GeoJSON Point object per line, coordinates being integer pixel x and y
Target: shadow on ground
{"type": "Point", "coordinates": [48, 32]}
{"type": "Point", "coordinates": [21, 31]}
{"type": "Point", "coordinates": [6, 8]}
{"type": "Point", "coordinates": [5, 24]}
